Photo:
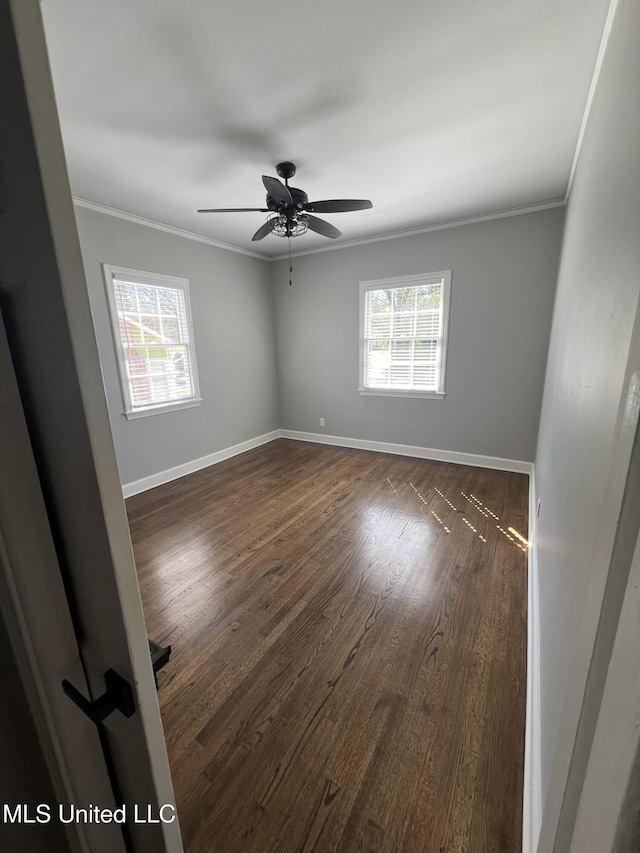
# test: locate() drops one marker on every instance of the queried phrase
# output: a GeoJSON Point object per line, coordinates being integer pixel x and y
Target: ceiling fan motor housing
{"type": "Point", "coordinates": [299, 197]}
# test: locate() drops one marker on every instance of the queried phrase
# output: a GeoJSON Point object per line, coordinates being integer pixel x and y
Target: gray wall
{"type": "Point", "coordinates": [232, 305]}
{"type": "Point", "coordinates": [503, 283]}
{"type": "Point", "coordinates": [583, 446]}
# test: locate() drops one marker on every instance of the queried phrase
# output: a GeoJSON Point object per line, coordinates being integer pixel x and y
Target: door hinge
{"type": "Point", "coordinates": [118, 696]}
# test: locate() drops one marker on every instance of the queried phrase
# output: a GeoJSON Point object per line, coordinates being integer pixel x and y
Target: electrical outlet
{"type": "Point", "coordinates": [321, 421]}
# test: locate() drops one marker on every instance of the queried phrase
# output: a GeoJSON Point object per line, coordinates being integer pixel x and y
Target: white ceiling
{"type": "Point", "coordinates": [436, 110]}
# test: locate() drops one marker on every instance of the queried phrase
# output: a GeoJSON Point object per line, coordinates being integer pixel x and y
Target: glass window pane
{"type": "Point", "coordinates": [403, 298]}
{"type": "Point", "coordinates": [401, 375]}
{"type": "Point", "coordinates": [380, 326]}
{"type": "Point", "coordinates": [426, 351]}
{"type": "Point", "coordinates": [403, 336]}
{"type": "Point", "coordinates": [379, 301]}
{"type": "Point", "coordinates": [404, 325]}
{"type": "Point", "coordinates": [424, 376]}
{"type": "Point", "coordinates": [428, 297]}
{"type": "Point", "coordinates": [171, 330]}
{"type": "Point", "coordinates": [153, 327]}
{"type": "Point", "coordinates": [169, 302]}
{"type": "Point", "coordinates": [401, 350]}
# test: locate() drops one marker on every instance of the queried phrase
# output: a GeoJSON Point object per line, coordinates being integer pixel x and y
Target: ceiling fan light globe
{"type": "Point", "coordinates": [288, 226]}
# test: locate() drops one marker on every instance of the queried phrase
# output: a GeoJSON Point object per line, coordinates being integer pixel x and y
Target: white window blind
{"type": "Point", "coordinates": [403, 334]}
{"type": "Point", "coordinates": [152, 327]}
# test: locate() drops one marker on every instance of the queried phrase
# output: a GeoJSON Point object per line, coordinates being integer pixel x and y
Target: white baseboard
{"type": "Point", "coordinates": [178, 471]}
{"type": "Point", "coordinates": [532, 794]}
{"type": "Point", "coordinates": [473, 459]}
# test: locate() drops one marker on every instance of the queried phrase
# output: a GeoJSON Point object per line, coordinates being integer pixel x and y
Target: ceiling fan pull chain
{"type": "Point", "coordinates": [290, 263]}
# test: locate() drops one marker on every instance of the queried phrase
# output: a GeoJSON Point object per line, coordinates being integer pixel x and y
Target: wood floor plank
{"type": "Point", "coordinates": [348, 667]}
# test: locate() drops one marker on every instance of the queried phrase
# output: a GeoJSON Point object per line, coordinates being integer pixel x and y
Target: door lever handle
{"type": "Point", "coordinates": [118, 696]}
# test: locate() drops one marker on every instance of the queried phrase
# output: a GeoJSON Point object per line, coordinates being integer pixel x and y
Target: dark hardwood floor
{"type": "Point", "coordinates": [348, 668]}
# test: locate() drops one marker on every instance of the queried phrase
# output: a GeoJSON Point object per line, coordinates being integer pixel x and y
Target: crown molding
{"type": "Point", "coordinates": [613, 7]}
{"type": "Point", "coordinates": [439, 226]}
{"type": "Point", "coordinates": [161, 226]}
{"type": "Point", "coordinates": [393, 235]}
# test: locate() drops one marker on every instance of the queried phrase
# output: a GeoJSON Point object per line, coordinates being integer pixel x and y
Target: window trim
{"type": "Point", "coordinates": [132, 412]}
{"type": "Point", "coordinates": [381, 284]}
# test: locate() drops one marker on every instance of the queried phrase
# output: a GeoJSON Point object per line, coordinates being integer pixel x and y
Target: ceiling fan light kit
{"type": "Point", "coordinates": [290, 210]}
{"type": "Point", "coordinates": [282, 226]}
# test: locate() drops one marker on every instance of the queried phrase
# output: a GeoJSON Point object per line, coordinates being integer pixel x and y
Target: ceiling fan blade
{"type": "Point", "coordinates": [322, 227]}
{"type": "Point", "coordinates": [338, 205]}
{"type": "Point", "coordinates": [277, 190]}
{"type": "Point", "coordinates": [234, 210]}
{"type": "Point", "coordinates": [262, 231]}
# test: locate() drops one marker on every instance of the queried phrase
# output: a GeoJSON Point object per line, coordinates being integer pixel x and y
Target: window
{"type": "Point", "coordinates": [403, 335]}
{"type": "Point", "coordinates": [151, 321]}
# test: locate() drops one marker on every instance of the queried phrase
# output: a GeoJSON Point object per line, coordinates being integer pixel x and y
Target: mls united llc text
{"type": "Point", "coordinates": [22, 813]}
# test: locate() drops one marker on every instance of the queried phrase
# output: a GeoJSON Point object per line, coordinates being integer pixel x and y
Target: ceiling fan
{"type": "Point", "coordinates": [290, 211]}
